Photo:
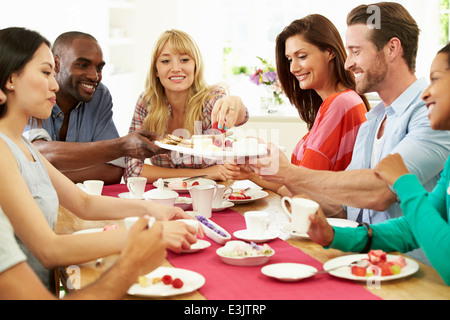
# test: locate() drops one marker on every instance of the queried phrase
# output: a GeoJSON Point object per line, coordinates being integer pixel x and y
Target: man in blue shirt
{"type": "Point", "coordinates": [80, 138]}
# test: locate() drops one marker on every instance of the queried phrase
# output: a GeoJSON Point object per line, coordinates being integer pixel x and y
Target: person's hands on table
{"type": "Point", "coordinates": [391, 168]}
{"type": "Point", "coordinates": [179, 235]}
{"type": "Point", "coordinates": [144, 249]}
{"type": "Point", "coordinates": [228, 112]}
{"type": "Point", "coordinates": [171, 214]}
{"type": "Point", "coordinates": [221, 172]}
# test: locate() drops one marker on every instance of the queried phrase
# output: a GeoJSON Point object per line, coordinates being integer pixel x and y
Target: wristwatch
{"type": "Point", "coordinates": [369, 235]}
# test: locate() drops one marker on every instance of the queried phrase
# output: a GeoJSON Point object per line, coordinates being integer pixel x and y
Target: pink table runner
{"type": "Point", "coordinates": [226, 282]}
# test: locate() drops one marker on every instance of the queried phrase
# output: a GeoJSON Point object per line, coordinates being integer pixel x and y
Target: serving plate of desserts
{"type": "Point", "coordinates": [216, 147]}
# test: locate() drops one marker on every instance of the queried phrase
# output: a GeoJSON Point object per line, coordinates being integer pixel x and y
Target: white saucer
{"type": "Point", "coordinates": [342, 223]}
{"type": "Point", "coordinates": [199, 245]}
{"type": "Point", "coordinates": [268, 235]}
{"type": "Point", "coordinates": [225, 205]}
{"type": "Point", "coordinates": [290, 230]}
{"type": "Point", "coordinates": [289, 272]}
{"type": "Point", "coordinates": [126, 195]}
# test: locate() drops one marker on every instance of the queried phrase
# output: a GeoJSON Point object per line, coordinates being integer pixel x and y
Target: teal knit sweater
{"type": "Point", "coordinates": [425, 224]}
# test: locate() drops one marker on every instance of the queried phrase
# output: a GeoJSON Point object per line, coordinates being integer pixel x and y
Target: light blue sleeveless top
{"type": "Point", "coordinates": [38, 181]}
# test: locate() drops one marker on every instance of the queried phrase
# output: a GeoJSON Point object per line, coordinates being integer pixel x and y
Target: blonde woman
{"type": "Point", "coordinates": [177, 100]}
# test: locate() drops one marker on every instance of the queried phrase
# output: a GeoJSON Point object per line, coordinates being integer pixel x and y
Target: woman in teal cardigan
{"type": "Point", "coordinates": [425, 223]}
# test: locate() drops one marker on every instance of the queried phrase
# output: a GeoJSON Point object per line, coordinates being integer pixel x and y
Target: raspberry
{"type": "Point", "coordinates": [177, 283]}
{"type": "Point", "coordinates": [167, 279]}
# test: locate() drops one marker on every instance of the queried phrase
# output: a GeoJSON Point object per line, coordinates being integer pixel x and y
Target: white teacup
{"type": "Point", "coordinates": [136, 186]}
{"type": "Point", "coordinates": [222, 193]}
{"type": "Point", "coordinates": [257, 223]}
{"type": "Point", "coordinates": [301, 210]}
{"type": "Point", "coordinates": [93, 187]}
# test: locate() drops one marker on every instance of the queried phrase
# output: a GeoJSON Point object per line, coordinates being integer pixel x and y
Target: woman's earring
{"type": "Point", "coordinates": [12, 87]}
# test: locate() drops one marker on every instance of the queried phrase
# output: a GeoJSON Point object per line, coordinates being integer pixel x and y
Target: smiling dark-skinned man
{"type": "Point", "coordinates": [80, 137]}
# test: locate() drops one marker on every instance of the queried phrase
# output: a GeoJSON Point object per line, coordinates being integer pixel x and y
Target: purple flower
{"type": "Point", "coordinates": [255, 78]}
{"type": "Point", "coordinates": [270, 76]}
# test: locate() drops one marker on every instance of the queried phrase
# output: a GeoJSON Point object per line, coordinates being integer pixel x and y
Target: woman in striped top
{"type": "Point", "coordinates": [310, 58]}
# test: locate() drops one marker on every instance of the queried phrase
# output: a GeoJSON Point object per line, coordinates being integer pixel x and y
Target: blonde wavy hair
{"type": "Point", "coordinates": [154, 95]}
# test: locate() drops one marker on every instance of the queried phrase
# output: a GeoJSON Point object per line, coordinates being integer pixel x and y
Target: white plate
{"type": "Point", "coordinates": [248, 261]}
{"type": "Point", "coordinates": [225, 205]}
{"type": "Point", "coordinates": [126, 195]}
{"type": "Point", "coordinates": [183, 203]}
{"type": "Point", "coordinates": [268, 235]}
{"type": "Point", "coordinates": [345, 272]}
{"type": "Point", "coordinates": [199, 245]}
{"type": "Point", "coordinates": [289, 272]}
{"type": "Point", "coordinates": [255, 194]}
{"type": "Point", "coordinates": [343, 223]}
{"type": "Point", "coordinates": [93, 230]}
{"type": "Point", "coordinates": [201, 181]}
{"type": "Point", "coordinates": [217, 155]}
{"type": "Point", "coordinates": [192, 281]}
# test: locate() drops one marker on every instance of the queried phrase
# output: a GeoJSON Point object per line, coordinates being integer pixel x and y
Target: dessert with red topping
{"type": "Point", "coordinates": [377, 264]}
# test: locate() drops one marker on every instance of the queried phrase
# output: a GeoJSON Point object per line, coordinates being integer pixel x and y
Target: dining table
{"type": "Point", "coordinates": [231, 282]}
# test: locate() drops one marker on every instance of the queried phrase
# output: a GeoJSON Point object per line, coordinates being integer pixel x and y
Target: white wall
{"type": "Point", "coordinates": [208, 21]}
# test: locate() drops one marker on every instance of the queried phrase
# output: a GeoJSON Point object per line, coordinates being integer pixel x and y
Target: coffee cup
{"type": "Point", "coordinates": [93, 187]}
{"type": "Point", "coordinates": [257, 223]}
{"type": "Point", "coordinates": [136, 186]}
{"type": "Point", "coordinates": [301, 209]}
{"type": "Point", "coordinates": [222, 193]}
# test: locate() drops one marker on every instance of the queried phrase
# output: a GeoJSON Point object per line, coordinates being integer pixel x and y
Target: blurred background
{"type": "Point", "coordinates": [231, 35]}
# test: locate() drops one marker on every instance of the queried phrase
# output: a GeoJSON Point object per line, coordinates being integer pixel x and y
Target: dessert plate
{"type": "Point", "coordinates": [217, 155]}
{"type": "Point", "coordinates": [201, 181]}
{"type": "Point", "coordinates": [346, 273]}
{"type": "Point", "coordinates": [289, 272]}
{"type": "Point", "coordinates": [199, 245]}
{"type": "Point", "coordinates": [183, 202]}
{"type": "Point", "coordinates": [191, 282]}
{"type": "Point", "coordinates": [229, 256]}
{"type": "Point", "coordinates": [267, 236]}
{"type": "Point", "coordinates": [254, 194]}
{"type": "Point", "coordinates": [225, 205]}
{"type": "Point", "coordinates": [126, 195]}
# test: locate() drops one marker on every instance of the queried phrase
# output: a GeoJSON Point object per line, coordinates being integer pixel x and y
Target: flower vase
{"type": "Point", "coordinates": [268, 101]}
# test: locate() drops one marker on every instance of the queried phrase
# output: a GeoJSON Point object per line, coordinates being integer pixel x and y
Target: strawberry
{"type": "Point", "coordinates": [358, 271]}
{"type": "Point", "coordinates": [386, 269]}
{"type": "Point", "coordinates": [215, 126]}
{"type": "Point", "coordinates": [377, 256]}
{"type": "Point", "coordinates": [166, 279]}
{"type": "Point", "coordinates": [400, 261]}
{"type": "Point", "coordinates": [177, 283]}
{"type": "Point", "coordinates": [195, 183]}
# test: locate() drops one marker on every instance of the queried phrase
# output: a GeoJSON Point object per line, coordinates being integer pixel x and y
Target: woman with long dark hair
{"type": "Point", "coordinates": [310, 58]}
